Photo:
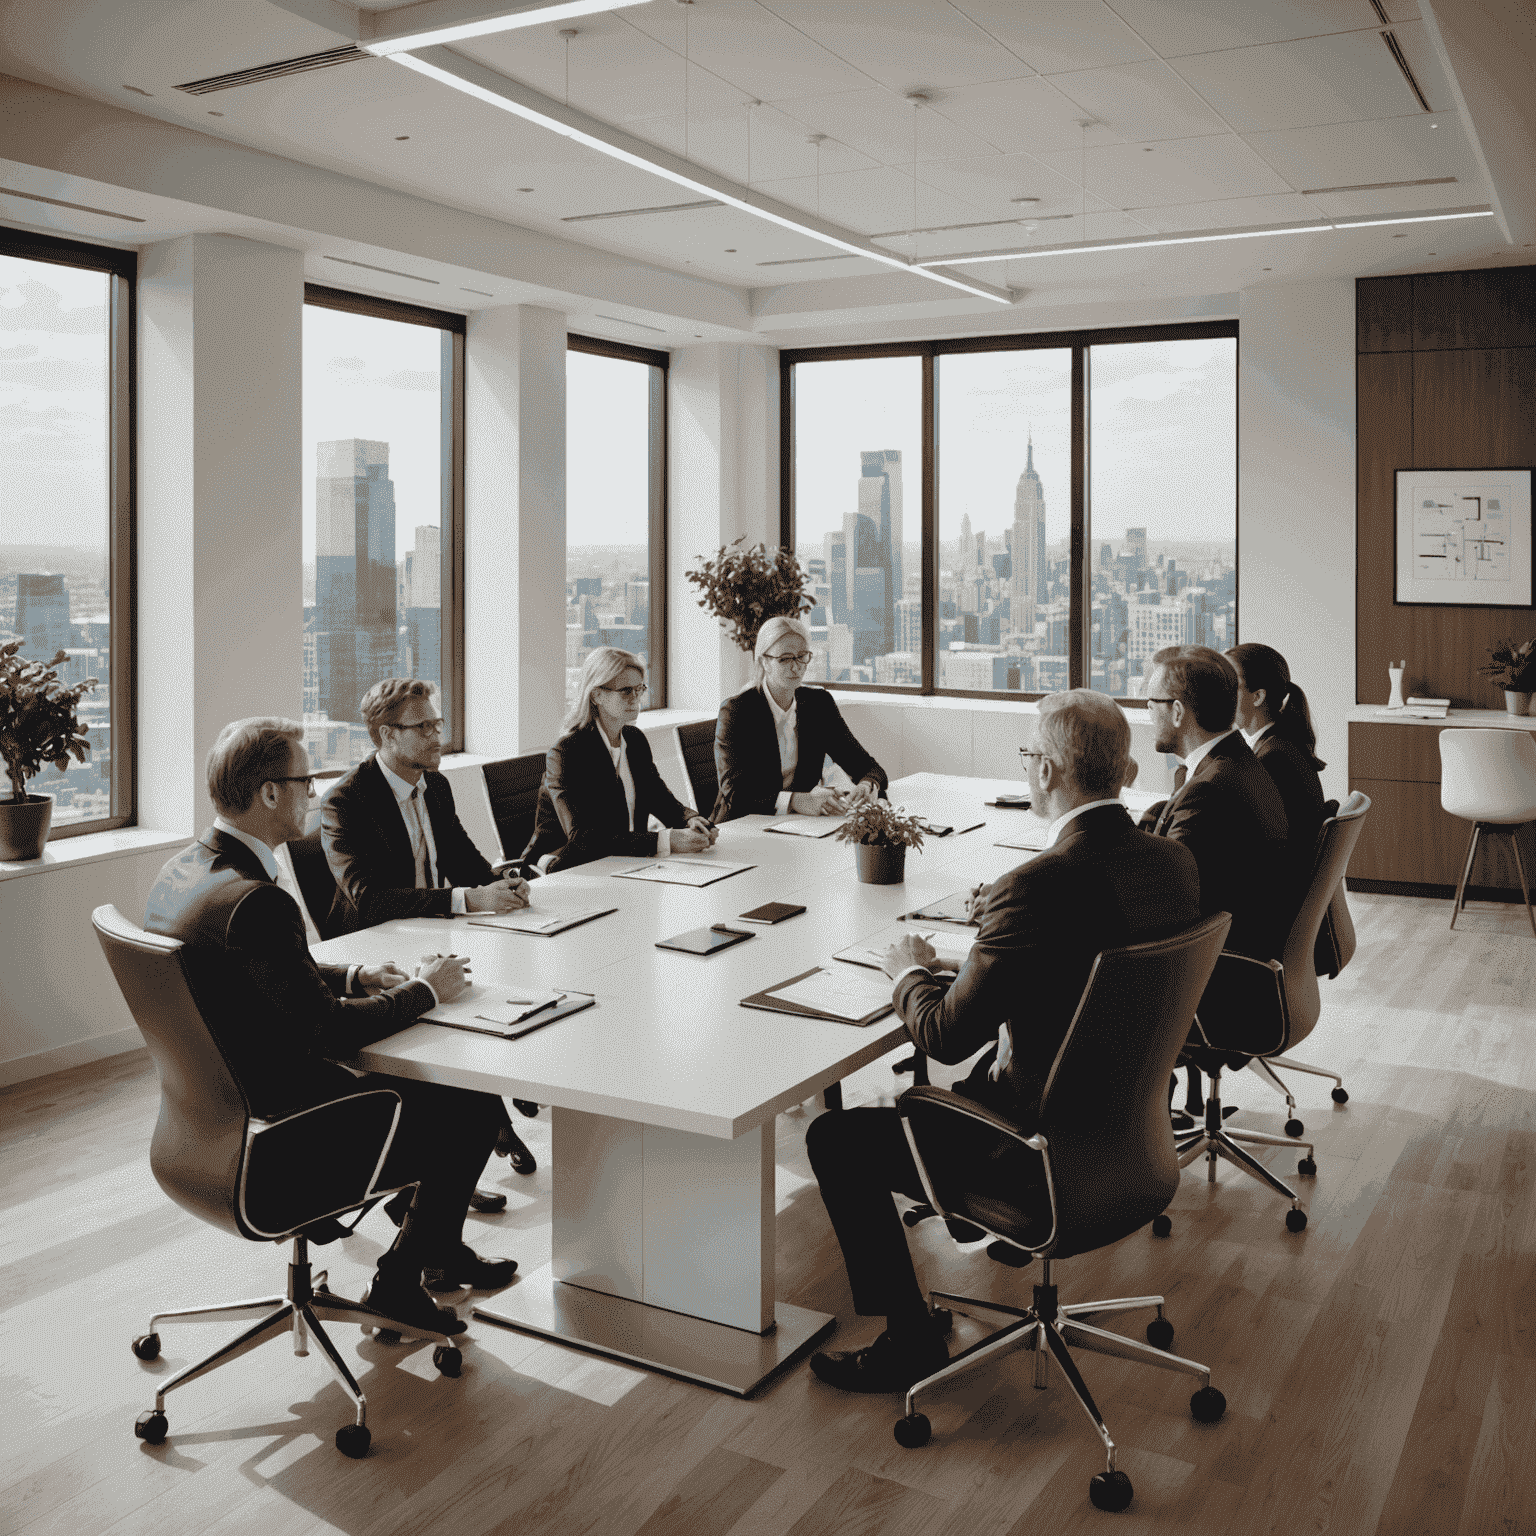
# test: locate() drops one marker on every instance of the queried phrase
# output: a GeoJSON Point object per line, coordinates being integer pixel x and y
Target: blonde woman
{"type": "Point", "coordinates": [771, 740]}
{"type": "Point", "coordinates": [600, 784]}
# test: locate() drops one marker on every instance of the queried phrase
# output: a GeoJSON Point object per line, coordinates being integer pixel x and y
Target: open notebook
{"type": "Point", "coordinates": [949, 943]}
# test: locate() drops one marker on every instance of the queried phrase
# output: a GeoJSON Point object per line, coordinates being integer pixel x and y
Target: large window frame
{"type": "Point", "coordinates": [121, 267]}
{"type": "Point", "coordinates": [1081, 343]}
{"type": "Point", "coordinates": [451, 427]}
{"type": "Point", "coordinates": [658, 362]}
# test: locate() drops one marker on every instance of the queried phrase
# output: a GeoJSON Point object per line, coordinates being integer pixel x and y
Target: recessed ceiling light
{"type": "Point", "coordinates": [1023, 199]}
{"type": "Point", "coordinates": [730, 250]}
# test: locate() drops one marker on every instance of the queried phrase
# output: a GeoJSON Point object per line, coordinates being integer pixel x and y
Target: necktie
{"type": "Point", "coordinates": [1179, 775]}
{"type": "Point", "coordinates": [418, 839]}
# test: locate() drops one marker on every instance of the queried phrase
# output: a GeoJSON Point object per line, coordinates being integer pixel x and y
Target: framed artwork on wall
{"type": "Point", "coordinates": [1463, 538]}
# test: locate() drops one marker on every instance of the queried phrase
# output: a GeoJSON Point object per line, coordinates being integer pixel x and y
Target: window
{"type": "Point", "coordinates": [383, 492]}
{"type": "Point", "coordinates": [66, 521]}
{"type": "Point", "coordinates": [1071, 506]}
{"type": "Point", "coordinates": [615, 500]}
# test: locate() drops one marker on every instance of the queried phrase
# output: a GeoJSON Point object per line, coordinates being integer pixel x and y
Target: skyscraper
{"type": "Point", "coordinates": [421, 612]}
{"type": "Point", "coordinates": [873, 552]}
{"type": "Point", "coordinates": [42, 615]}
{"type": "Point", "coordinates": [1136, 546]}
{"type": "Point", "coordinates": [1028, 548]}
{"type": "Point", "coordinates": [355, 638]}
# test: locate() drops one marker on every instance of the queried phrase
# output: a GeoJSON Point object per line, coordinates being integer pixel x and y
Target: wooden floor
{"type": "Point", "coordinates": [1380, 1368]}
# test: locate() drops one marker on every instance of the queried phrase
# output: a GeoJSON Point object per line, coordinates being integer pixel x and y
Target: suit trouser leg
{"type": "Point", "coordinates": [859, 1156]}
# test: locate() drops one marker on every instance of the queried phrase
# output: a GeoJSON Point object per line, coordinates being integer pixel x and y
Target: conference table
{"type": "Point", "coordinates": [663, 1094]}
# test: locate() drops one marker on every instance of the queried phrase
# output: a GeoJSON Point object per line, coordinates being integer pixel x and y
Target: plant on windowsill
{"type": "Point", "coordinates": [881, 834]}
{"type": "Point", "coordinates": [39, 724]}
{"type": "Point", "coordinates": [1513, 668]}
{"type": "Point", "coordinates": [744, 588]}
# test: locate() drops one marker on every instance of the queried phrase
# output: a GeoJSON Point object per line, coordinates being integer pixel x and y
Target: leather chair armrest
{"type": "Point", "coordinates": [1243, 1009]}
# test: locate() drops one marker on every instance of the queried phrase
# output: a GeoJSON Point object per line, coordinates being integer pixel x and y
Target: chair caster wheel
{"type": "Point", "coordinates": [448, 1360]}
{"type": "Point", "coordinates": [916, 1214]}
{"type": "Point", "coordinates": [1207, 1405]}
{"type": "Point", "coordinates": [1295, 1220]}
{"type": "Point", "coordinates": [526, 1108]}
{"type": "Point", "coordinates": [1307, 1167]}
{"type": "Point", "coordinates": [387, 1335]}
{"type": "Point", "coordinates": [943, 1320]}
{"type": "Point", "coordinates": [1340, 1096]}
{"type": "Point", "coordinates": [913, 1430]}
{"type": "Point", "coordinates": [1294, 1127]}
{"type": "Point", "coordinates": [147, 1346]}
{"type": "Point", "coordinates": [1110, 1490]}
{"type": "Point", "coordinates": [353, 1440]}
{"type": "Point", "coordinates": [151, 1427]}
{"type": "Point", "coordinates": [1161, 1226]}
{"type": "Point", "coordinates": [1159, 1333]}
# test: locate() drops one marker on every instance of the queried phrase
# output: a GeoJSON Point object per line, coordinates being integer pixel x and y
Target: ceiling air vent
{"type": "Point", "coordinates": [347, 54]}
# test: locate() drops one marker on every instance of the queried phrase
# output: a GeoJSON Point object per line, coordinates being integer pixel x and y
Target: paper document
{"type": "Point", "coordinates": [809, 826]}
{"type": "Point", "coordinates": [532, 920]}
{"type": "Point", "coordinates": [852, 993]}
{"type": "Point", "coordinates": [697, 872]}
{"type": "Point", "coordinates": [948, 909]}
{"type": "Point", "coordinates": [1027, 831]}
{"type": "Point", "coordinates": [950, 943]}
{"type": "Point", "coordinates": [518, 1006]}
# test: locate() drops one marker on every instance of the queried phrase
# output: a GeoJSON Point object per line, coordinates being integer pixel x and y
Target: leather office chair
{"type": "Point", "coordinates": [317, 885]}
{"type": "Point", "coordinates": [513, 787]}
{"type": "Point", "coordinates": [268, 1181]}
{"type": "Point", "coordinates": [1488, 777]}
{"type": "Point", "coordinates": [1257, 1010]}
{"type": "Point", "coordinates": [1101, 1166]}
{"type": "Point", "coordinates": [696, 743]}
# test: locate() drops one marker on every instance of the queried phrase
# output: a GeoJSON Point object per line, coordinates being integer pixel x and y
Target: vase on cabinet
{"type": "Point", "coordinates": [1396, 699]}
{"type": "Point", "coordinates": [1517, 703]}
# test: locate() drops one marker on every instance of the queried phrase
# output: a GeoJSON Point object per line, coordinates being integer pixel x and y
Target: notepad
{"type": "Point", "coordinates": [948, 909]}
{"type": "Point", "coordinates": [808, 826]}
{"type": "Point", "coordinates": [515, 1008]}
{"type": "Point", "coordinates": [544, 924]}
{"type": "Point", "coordinates": [695, 872]}
{"type": "Point", "coordinates": [841, 995]}
{"type": "Point", "coordinates": [950, 944]}
{"type": "Point", "coordinates": [480, 1009]}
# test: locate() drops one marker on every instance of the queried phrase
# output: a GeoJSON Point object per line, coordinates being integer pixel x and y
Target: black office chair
{"type": "Point", "coordinates": [268, 1181]}
{"type": "Point", "coordinates": [513, 787]}
{"type": "Point", "coordinates": [317, 885]}
{"type": "Point", "coordinates": [696, 742]}
{"type": "Point", "coordinates": [1101, 1166]}
{"type": "Point", "coordinates": [1255, 1011]}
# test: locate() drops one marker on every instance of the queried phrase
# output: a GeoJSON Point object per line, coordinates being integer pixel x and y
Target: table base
{"type": "Point", "coordinates": [712, 1354]}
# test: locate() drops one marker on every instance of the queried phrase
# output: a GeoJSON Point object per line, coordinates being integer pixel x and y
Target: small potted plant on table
{"type": "Point", "coordinates": [881, 835]}
{"type": "Point", "coordinates": [1513, 668]}
{"type": "Point", "coordinates": [39, 723]}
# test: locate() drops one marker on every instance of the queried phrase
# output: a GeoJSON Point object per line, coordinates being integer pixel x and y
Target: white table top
{"type": "Point", "coordinates": [668, 1043]}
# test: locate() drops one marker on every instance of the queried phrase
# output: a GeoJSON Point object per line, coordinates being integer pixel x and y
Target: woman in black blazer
{"type": "Point", "coordinates": [763, 774]}
{"type": "Point", "coordinates": [600, 784]}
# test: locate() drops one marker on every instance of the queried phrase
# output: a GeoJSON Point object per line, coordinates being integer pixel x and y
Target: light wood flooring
{"type": "Point", "coordinates": [1380, 1368]}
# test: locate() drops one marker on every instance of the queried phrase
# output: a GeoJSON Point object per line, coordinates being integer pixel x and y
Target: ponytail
{"type": "Point", "coordinates": [1262, 666]}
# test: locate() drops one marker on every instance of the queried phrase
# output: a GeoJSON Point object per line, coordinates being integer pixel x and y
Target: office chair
{"type": "Point", "coordinates": [513, 787]}
{"type": "Point", "coordinates": [1488, 777]}
{"type": "Point", "coordinates": [267, 1181]}
{"type": "Point", "coordinates": [1257, 1010]}
{"type": "Point", "coordinates": [696, 743]}
{"type": "Point", "coordinates": [1101, 1166]}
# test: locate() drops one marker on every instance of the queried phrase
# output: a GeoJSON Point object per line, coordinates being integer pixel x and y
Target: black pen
{"type": "Point", "coordinates": [740, 933]}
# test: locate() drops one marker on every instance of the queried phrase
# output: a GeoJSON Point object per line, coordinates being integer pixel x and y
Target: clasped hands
{"type": "Point", "coordinates": [826, 801]}
{"type": "Point", "coordinates": [447, 975]}
{"type": "Point", "coordinates": [699, 834]}
{"type": "Point", "coordinates": [913, 949]}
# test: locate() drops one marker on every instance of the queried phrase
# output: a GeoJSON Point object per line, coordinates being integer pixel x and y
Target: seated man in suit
{"type": "Point", "coordinates": [283, 1021]}
{"type": "Point", "coordinates": [397, 848]}
{"type": "Point", "coordinates": [1099, 884]}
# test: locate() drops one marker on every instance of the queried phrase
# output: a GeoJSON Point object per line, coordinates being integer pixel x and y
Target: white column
{"type": "Point", "coordinates": [723, 417]}
{"type": "Point", "coordinates": [220, 537]}
{"type": "Point", "coordinates": [514, 530]}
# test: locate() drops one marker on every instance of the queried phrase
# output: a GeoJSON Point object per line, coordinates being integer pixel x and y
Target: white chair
{"type": "Point", "coordinates": [1488, 777]}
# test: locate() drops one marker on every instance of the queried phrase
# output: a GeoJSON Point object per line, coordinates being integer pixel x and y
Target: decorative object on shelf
{"type": "Point", "coordinates": [1513, 668]}
{"type": "Point", "coordinates": [1464, 538]}
{"type": "Point", "coordinates": [39, 724]}
{"type": "Point", "coordinates": [881, 834]}
{"type": "Point", "coordinates": [744, 588]}
{"type": "Point", "coordinates": [1395, 674]}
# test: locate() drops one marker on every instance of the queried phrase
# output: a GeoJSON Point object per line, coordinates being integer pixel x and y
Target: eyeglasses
{"type": "Point", "coordinates": [426, 727]}
{"type": "Point", "coordinates": [307, 780]}
{"type": "Point", "coordinates": [792, 658]}
{"type": "Point", "coordinates": [629, 695]}
{"type": "Point", "coordinates": [1161, 701]}
{"type": "Point", "coordinates": [1030, 752]}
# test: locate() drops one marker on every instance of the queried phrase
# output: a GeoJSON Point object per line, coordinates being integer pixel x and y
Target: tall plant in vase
{"type": "Point", "coordinates": [745, 587]}
{"type": "Point", "coordinates": [1513, 668]}
{"type": "Point", "coordinates": [39, 724]}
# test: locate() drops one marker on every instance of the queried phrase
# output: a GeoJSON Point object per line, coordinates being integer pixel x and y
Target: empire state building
{"type": "Point", "coordinates": [1028, 548]}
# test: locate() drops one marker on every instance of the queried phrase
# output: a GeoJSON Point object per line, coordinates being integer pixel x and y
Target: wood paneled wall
{"type": "Point", "coordinates": [1445, 379]}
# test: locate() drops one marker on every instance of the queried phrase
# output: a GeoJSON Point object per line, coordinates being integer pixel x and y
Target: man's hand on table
{"type": "Point", "coordinates": [447, 975]}
{"type": "Point", "coordinates": [913, 949]}
{"type": "Point", "coordinates": [374, 979]}
{"type": "Point", "coordinates": [504, 895]}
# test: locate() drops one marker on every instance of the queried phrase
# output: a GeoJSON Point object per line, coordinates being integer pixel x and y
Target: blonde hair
{"type": "Point", "coordinates": [383, 703]}
{"type": "Point", "coordinates": [773, 631]}
{"type": "Point", "coordinates": [604, 664]}
{"type": "Point", "coordinates": [1088, 737]}
{"type": "Point", "coordinates": [248, 754]}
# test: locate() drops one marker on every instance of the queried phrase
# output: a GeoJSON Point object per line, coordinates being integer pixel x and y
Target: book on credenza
{"type": "Point", "coordinates": [1420, 709]}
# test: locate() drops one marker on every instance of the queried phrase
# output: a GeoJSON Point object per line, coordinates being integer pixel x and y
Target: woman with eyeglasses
{"type": "Point", "coordinates": [600, 784]}
{"type": "Point", "coordinates": [772, 740]}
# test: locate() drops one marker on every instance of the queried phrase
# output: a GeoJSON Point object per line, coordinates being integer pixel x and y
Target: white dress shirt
{"type": "Point", "coordinates": [786, 728]}
{"type": "Point", "coordinates": [1200, 754]}
{"type": "Point", "coordinates": [620, 756]}
{"type": "Point", "coordinates": [403, 791]}
{"type": "Point", "coordinates": [1253, 738]}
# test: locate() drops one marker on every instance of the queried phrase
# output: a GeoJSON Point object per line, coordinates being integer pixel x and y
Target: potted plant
{"type": "Point", "coordinates": [744, 588]}
{"type": "Point", "coordinates": [1513, 668]}
{"type": "Point", "coordinates": [39, 724]}
{"type": "Point", "coordinates": [881, 834]}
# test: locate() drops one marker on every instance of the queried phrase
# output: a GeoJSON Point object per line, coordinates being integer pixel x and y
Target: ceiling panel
{"type": "Point", "coordinates": [1055, 35]}
{"type": "Point", "coordinates": [990, 182]}
{"type": "Point", "coordinates": [1014, 116]}
{"type": "Point", "coordinates": [1175, 27]}
{"type": "Point", "coordinates": [1176, 171]}
{"type": "Point", "coordinates": [1424, 60]}
{"type": "Point", "coordinates": [1140, 102]}
{"type": "Point", "coordinates": [877, 200]}
{"type": "Point", "coordinates": [880, 124]}
{"type": "Point", "coordinates": [1347, 154]}
{"type": "Point", "coordinates": [1229, 213]}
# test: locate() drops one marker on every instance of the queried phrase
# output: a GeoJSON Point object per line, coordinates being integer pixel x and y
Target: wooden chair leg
{"type": "Point", "coordinates": [1525, 890]}
{"type": "Point", "coordinates": [1466, 870]}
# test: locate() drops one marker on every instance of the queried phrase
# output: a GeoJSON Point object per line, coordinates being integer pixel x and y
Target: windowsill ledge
{"type": "Point", "coordinates": [94, 848]}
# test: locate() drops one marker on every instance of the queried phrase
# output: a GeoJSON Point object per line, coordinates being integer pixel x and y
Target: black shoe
{"type": "Point", "coordinates": [410, 1307]}
{"type": "Point", "coordinates": [397, 1206]}
{"type": "Point", "coordinates": [526, 1107]}
{"type": "Point", "coordinates": [510, 1145]}
{"type": "Point", "coordinates": [881, 1366]}
{"type": "Point", "coordinates": [1181, 1122]}
{"type": "Point", "coordinates": [486, 1202]}
{"type": "Point", "coordinates": [466, 1267]}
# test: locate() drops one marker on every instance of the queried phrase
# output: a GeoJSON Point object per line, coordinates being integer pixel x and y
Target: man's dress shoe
{"type": "Point", "coordinates": [466, 1267]}
{"type": "Point", "coordinates": [882, 1366]}
{"type": "Point", "coordinates": [410, 1307]}
{"type": "Point", "coordinates": [510, 1145]}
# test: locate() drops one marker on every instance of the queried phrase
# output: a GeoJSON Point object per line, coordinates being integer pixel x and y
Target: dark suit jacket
{"type": "Point", "coordinates": [747, 751]}
{"type": "Point", "coordinates": [582, 812]}
{"type": "Point", "coordinates": [1103, 885]}
{"type": "Point", "coordinates": [1302, 793]}
{"type": "Point", "coordinates": [1231, 817]}
{"type": "Point", "coordinates": [278, 1017]}
{"type": "Point", "coordinates": [369, 851]}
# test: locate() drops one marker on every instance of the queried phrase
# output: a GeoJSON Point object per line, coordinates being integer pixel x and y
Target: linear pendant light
{"type": "Point", "coordinates": [1138, 242]}
{"type": "Point", "coordinates": [449, 21]}
{"type": "Point", "coordinates": [496, 90]}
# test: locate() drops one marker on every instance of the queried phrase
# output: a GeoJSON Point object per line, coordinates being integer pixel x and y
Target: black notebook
{"type": "Point", "coordinates": [772, 912]}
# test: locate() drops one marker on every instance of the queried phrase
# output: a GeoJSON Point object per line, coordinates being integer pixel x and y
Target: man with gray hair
{"type": "Point", "coordinates": [1099, 884]}
{"type": "Point", "coordinates": [283, 1022]}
